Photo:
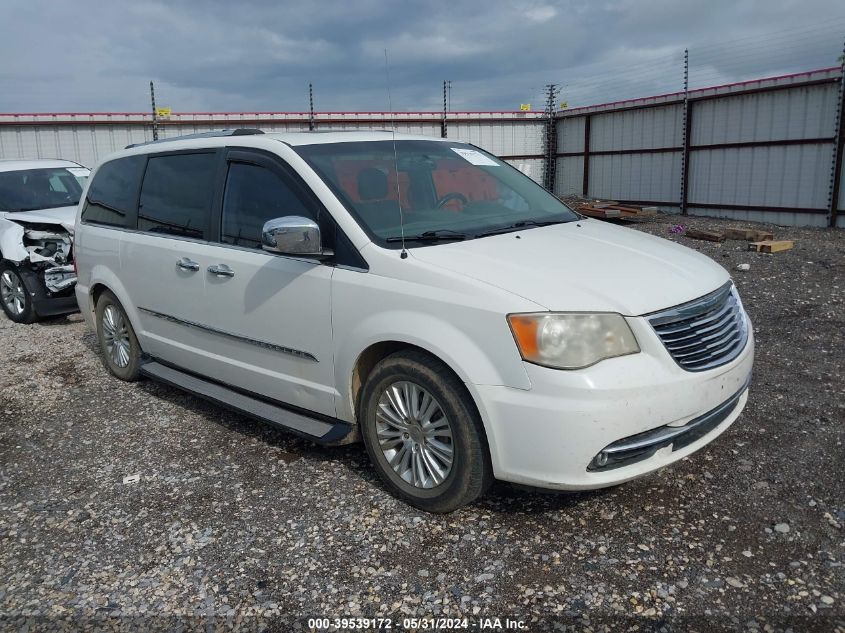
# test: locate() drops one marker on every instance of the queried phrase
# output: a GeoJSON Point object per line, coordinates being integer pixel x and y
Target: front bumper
{"type": "Point", "coordinates": [550, 435]}
{"type": "Point", "coordinates": [45, 302]}
{"type": "Point", "coordinates": [636, 448]}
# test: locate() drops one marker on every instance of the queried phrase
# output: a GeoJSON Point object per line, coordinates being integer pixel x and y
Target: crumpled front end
{"type": "Point", "coordinates": [43, 256]}
{"type": "Point", "coordinates": [50, 253]}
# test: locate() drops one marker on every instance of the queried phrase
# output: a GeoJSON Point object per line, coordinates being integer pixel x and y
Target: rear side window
{"type": "Point", "coordinates": [254, 195]}
{"type": "Point", "coordinates": [176, 195]}
{"type": "Point", "coordinates": [113, 193]}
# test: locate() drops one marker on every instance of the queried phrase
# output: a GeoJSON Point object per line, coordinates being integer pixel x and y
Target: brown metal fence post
{"type": "Point", "coordinates": [838, 145]}
{"type": "Point", "coordinates": [685, 132]}
{"type": "Point", "coordinates": [443, 120]}
{"type": "Point", "coordinates": [155, 116]}
{"type": "Point", "coordinates": [311, 123]}
{"type": "Point", "coordinates": [551, 139]}
{"type": "Point", "coordinates": [585, 185]}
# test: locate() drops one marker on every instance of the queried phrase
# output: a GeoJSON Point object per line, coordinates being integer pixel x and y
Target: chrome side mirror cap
{"type": "Point", "coordinates": [292, 235]}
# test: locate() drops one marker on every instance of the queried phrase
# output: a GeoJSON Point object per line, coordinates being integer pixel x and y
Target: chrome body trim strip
{"type": "Point", "coordinates": [271, 346]}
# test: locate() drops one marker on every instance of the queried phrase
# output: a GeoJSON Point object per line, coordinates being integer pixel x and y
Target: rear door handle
{"type": "Point", "coordinates": [221, 270]}
{"type": "Point", "coordinates": [188, 264]}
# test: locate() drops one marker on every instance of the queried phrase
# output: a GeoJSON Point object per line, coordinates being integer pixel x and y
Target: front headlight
{"type": "Point", "coordinates": [571, 341]}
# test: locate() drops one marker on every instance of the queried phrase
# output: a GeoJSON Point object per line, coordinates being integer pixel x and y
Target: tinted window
{"type": "Point", "coordinates": [113, 193]}
{"type": "Point", "coordinates": [176, 195]}
{"type": "Point", "coordinates": [253, 196]}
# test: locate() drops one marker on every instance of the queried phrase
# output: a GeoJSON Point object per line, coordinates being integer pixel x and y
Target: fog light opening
{"type": "Point", "coordinates": [601, 459]}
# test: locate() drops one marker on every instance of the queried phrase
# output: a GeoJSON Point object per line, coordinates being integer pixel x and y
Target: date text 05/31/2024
{"type": "Point", "coordinates": [416, 624]}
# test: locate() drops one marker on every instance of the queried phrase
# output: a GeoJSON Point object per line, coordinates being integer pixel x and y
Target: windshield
{"type": "Point", "coordinates": [447, 190]}
{"type": "Point", "coordinates": [32, 189]}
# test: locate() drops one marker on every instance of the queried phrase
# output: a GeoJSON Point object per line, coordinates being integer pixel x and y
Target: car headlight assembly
{"type": "Point", "coordinates": [571, 340]}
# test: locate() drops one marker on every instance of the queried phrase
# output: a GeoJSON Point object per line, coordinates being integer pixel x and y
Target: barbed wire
{"type": "Point", "coordinates": [717, 62]}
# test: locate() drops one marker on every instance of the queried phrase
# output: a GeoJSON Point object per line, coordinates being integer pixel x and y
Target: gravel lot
{"type": "Point", "coordinates": [236, 524]}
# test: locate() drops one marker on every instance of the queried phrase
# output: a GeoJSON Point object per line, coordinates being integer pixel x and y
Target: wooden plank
{"type": "Point", "coordinates": [750, 235]}
{"type": "Point", "coordinates": [590, 211]}
{"type": "Point", "coordinates": [771, 246]}
{"type": "Point", "coordinates": [710, 236]}
{"type": "Point", "coordinates": [595, 212]}
{"type": "Point", "coordinates": [738, 234]}
{"type": "Point", "coordinates": [632, 210]}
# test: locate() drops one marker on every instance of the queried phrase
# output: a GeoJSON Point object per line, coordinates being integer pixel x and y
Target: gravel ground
{"type": "Point", "coordinates": [234, 524]}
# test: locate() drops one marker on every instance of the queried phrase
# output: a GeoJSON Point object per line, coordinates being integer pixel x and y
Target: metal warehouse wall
{"type": "Point", "coordinates": [514, 136]}
{"type": "Point", "coordinates": [763, 150]}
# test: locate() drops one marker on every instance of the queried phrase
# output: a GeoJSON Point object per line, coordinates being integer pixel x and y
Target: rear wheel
{"type": "Point", "coordinates": [423, 433]}
{"type": "Point", "coordinates": [119, 347]}
{"type": "Point", "coordinates": [14, 299]}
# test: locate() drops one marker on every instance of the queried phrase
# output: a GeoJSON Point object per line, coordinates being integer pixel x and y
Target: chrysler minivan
{"type": "Point", "coordinates": [415, 293]}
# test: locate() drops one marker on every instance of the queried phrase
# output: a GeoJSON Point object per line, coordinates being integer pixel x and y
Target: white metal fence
{"type": "Point", "coordinates": [514, 136]}
{"type": "Point", "coordinates": [766, 150]}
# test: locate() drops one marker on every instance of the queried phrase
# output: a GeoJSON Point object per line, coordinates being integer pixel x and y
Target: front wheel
{"type": "Point", "coordinates": [423, 433]}
{"type": "Point", "coordinates": [14, 298]}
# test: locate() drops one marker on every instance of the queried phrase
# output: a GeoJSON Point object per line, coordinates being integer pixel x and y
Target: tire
{"type": "Point", "coordinates": [119, 348]}
{"type": "Point", "coordinates": [14, 297]}
{"type": "Point", "coordinates": [410, 441]}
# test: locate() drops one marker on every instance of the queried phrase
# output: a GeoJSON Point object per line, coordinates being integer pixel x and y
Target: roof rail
{"type": "Point", "coordinates": [241, 131]}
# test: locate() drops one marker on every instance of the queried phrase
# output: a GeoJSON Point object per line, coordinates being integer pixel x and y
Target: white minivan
{"type": "Point", "coordinates": [417, 293]}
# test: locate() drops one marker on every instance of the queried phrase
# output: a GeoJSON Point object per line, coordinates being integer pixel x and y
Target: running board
{"type": "Point", "coordinates": [312, 428]}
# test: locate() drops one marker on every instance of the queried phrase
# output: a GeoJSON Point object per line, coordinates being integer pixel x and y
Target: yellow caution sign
{"type": "Point", "coordinates": [525, 107]}
{"type": "Point", "coordinates": [164, 113]}
{"type": "Point", "coordinates": [563, 105]}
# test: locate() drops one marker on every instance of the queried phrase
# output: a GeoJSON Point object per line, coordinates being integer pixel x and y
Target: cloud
{"type": "Point", "coordinates": [541, 13]}
{"type": "Point", "coordinates": [261, 54]}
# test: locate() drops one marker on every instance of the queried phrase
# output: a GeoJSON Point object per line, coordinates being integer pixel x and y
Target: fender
{"type": "Point", "coordinates": [11, 241]}
{"type": "Point", "coordinates": [102, 275]}
{"type": "Point", "coordinates": [442, 339]}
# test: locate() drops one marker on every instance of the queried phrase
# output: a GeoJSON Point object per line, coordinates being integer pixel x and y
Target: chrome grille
{"type": "Point", "coordinates": [704, 333]}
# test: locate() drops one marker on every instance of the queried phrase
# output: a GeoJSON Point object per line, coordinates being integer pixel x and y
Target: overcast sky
{"type": "Point", "coordinates": [237, 55]}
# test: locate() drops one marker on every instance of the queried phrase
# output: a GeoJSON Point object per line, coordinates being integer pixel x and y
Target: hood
{"type": "Point", "coordinates": [64, 216]}
{"type": "Point", "coordinates": [584, 266]}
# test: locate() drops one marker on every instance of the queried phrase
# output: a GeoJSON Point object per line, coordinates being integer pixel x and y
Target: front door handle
{"type": "Point", "coordinates": [221, 270]}
{"type": "Point", "coordinates": [188, 264]}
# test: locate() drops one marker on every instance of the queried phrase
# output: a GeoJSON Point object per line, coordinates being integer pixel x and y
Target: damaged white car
{"type": "Point", "coordinates": [38, 201]}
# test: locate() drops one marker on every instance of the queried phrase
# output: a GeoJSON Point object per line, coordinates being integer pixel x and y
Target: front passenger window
{"type": "Point", "coordinates": [253, 196]}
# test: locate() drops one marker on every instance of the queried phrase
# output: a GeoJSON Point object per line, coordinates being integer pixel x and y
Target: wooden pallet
{"type": "Point", "coordinates": [750, 235]}
{"type": "Point", "coordinates": [598, 212]}
{"type": "Point", "coordinates": [770, 246]}
{"type": "Point", "coordinates": [614, 211]}
{"type": "Point", "coordinates": [710, 236]}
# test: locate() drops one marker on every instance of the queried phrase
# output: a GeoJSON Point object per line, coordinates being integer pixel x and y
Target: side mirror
{"type": "Point", "coordinates": [292, 235]}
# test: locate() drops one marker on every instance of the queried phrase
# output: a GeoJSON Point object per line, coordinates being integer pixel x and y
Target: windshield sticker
{"type": "Point", "coordinates": [474, 157]}
{"type": "Point", "coordinates": [79, 172]}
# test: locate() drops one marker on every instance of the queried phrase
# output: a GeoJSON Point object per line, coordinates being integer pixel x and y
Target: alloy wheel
{"type": "Point", "coordinates": [116, 336]}
{"type": "Point", "coordinates": [414, 434]}
{"type": "Point", "coordinates": [12, 293]}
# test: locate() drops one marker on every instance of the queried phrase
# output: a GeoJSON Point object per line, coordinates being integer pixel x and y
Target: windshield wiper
{"type": "Point", "coordinates": [521, 225]}
{"type": "Point", "coordinates": [437, 235]}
